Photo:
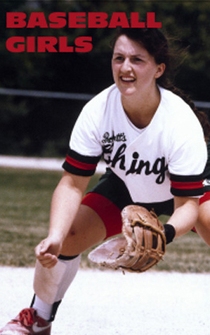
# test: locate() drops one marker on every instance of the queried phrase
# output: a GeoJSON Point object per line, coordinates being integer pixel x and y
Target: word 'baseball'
{"type": "Point", "coordinates": [71, 20]}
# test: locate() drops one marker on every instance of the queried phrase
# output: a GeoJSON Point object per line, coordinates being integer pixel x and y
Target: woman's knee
{"type": "Point", "coordinates": [87, 230]}
{"type": "Point", "coordinates": [203, 224]}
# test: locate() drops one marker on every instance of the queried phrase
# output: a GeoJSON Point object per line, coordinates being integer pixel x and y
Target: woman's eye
{"type": "Point", "coordinates": [137, 60]}
{"type": "Point", "coordinates": [122, 59]}
{"type": "Point", "coordinates": [119, 58]}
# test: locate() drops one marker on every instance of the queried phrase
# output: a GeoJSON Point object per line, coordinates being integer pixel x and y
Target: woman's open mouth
{"type": "Point", "coordinates": [127, 79]}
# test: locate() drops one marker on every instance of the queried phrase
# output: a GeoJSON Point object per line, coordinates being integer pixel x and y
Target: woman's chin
{"type": "Point", "coordinates": [126, 90]}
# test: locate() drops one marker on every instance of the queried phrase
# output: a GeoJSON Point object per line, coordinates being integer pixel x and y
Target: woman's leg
{"type": "Point", "coordinates": [203, 224]}
{"type": "Point", "coordinates": [87, 230]}
{"type": "Point", "coordinates": [50, 285]}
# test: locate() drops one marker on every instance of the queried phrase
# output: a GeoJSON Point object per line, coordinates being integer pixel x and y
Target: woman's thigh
{"type": "Point", "coordinates": [87, 230]}
{"type": "Point", "coordinates": [203, 224]}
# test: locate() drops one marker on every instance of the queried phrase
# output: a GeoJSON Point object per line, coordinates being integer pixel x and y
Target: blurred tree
{"type": "Point", "coordinates": [42, 126]}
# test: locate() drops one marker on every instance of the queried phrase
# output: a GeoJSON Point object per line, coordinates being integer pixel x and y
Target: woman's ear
{"type": "Point", "coordinates": [160, 70]}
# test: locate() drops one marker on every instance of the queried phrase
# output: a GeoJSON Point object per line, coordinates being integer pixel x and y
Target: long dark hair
{"type": "Point", "coordinates": [157, 44]}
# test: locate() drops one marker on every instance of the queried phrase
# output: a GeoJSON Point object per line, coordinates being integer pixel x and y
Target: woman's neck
{"type": "Point", "coordinates": [141, 109]}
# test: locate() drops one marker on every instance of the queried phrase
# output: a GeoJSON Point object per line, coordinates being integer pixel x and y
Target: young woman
{"type": "Point", "coordinates": [155, 152]}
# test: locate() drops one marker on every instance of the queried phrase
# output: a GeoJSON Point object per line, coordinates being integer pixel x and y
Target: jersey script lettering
{"type": "Point", "coordinates": [137, 165]}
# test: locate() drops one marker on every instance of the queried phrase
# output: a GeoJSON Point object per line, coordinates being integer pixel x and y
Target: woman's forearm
{"type": "Point", "coordinates": [185, 215]}
{"type": "Point", "coordinates": [65, 203]}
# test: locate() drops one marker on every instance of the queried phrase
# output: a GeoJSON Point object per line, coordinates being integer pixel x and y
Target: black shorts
{"type": "Point", "coordinates": [111, 195]}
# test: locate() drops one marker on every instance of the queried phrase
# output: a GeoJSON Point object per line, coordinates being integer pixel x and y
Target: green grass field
{"type": "Point", "coordinates": [25, 203]}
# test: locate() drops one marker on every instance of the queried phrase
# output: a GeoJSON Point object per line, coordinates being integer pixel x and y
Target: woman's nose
{"type": "Point", "coordinates": [126, 65]}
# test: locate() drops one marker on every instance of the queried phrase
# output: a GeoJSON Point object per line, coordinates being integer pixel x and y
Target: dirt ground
{"type": "Point", "coordinates": [110, 303]}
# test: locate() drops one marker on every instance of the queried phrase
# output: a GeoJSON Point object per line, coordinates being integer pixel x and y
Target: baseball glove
{"type": "Point", "coordinates": [141, 246]}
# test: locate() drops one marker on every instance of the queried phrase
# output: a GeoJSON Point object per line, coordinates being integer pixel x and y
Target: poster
{"type": "Point", "coordinates": [56, 56]}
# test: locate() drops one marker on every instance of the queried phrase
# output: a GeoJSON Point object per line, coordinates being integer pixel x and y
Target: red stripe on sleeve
{"type": "Point", "coordinates": [187, 185]}
{"type": "Point", "coordinates": [80, 165]}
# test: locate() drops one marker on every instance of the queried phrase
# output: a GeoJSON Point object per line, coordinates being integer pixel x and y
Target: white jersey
{"type": "Point", "coordinates": [165, 158]}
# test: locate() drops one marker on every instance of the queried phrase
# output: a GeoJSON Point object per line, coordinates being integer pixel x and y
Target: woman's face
{"type": "Point", "coordinates": [134, 69]}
